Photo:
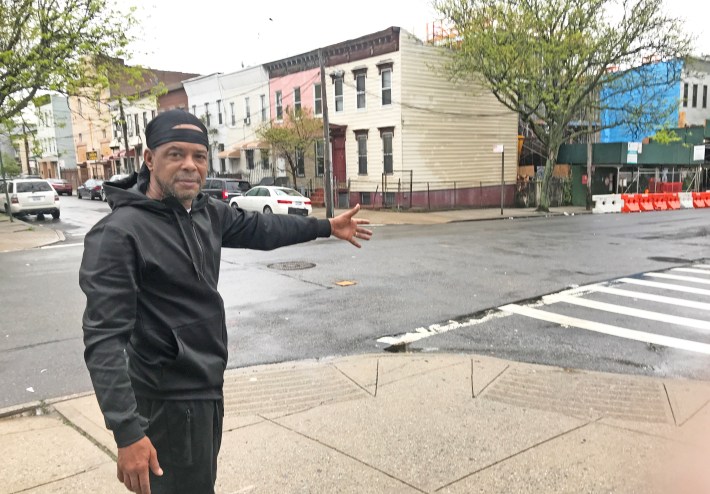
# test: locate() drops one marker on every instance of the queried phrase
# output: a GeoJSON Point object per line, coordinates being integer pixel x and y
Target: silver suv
{"type": "Point", "coordinates": [29, 196]}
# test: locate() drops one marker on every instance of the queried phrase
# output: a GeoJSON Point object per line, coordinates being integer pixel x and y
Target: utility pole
{"type": "Point", "coordinates": [124, 131]}
{"type": "Point", "coordinates": [589, 164]}
{"type": "Point", "coordinates": [329, 212]}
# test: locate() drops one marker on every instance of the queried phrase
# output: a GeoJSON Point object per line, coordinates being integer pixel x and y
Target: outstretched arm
{"type": "Point", "coordinates": [345, 227]}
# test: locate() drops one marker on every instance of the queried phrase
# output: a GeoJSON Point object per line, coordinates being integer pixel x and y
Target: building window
{"type": "Point", "coordinates": [207, 114]}
{"type": "Point", "coordinates": [360, 84]}
{"type": "Point", "coordinates": [297, 98]}
{"type": "Point", "coordinates": [222, 161]}
{"type": "Point", "coordinates": [263, 107]}
{"type": "Point", "coordinates": [320, 155]}
{"type": "Point", "coordinates": [338, 93]}
{"type": "Point", "coordinates": [81, 137]}
{"type": "Point", "coordinates": [279, 106]}
{"type": "Point", "coordinates": [79, 103]}
{"type": "Point", "coordinates": [300, 164]}
{"type": "Point", "coordinates": [387, 135]}
{"type": "Point", "coordinates": [317, 99]}
{"type": "Point", "coordinates": [231, 110]}
{"type": "Point", "coordinates": [247, 112]}
{"type": "Point", "coordinates": [219, 111]}
{"type": "Point", "coordinates": [249, 153]}
{"type": "Point", "coordinates": [695, 95]}
{"type": "Point", "coordinates": [705, 96]}
{"type": "Point", "coordinates": [685, 94]}
{"type": "Point", "coordinates": [194, 110]}
{"type": "Point", "coordinates": [152, 114]}
{"type": "Point", "coordinates": [386, 87]}
{"type": "Point", "coordinates": [138, 127]}
{"type": "Point", "coordinates": [361, 138]}
{"type": "Point", "coordinates": [360, 74]}
{"type": "Point", "coordinates": [264, 159]}
{"type": "Point", "coordinates": [103, 131]}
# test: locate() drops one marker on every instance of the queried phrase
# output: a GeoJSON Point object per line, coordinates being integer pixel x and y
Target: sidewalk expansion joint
{"type": "Point", "coordinates": [509, 457]}
{"type": "Point", "coordinates": [54, 481]}
{"type": "Point", "coordinates": [473, 392]}
{"type": "Point", "coordinates": [670, 405]}
{"type": "Point", "coordinates": [347, 455]}
{"type": "Point", "coordinates": [81, 431]}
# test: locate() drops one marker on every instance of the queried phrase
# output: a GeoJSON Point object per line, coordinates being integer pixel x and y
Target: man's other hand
{"type": "Point", "coordinates": [133, 463]}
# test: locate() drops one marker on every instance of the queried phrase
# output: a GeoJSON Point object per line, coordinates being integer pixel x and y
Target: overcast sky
{"type": "Point", "coordinates": [209, 36]}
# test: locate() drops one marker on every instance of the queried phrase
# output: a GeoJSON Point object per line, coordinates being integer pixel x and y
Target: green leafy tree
{"type": "Point", "coordinates": [45, 46]}
{"type": "Point", "coordinates": [563, 64]}
{"type": "Point", "coordinates": [292, 138]}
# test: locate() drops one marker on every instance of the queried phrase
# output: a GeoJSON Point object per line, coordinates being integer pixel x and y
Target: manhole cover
{"type": "Point", "coordinates": [291, 265]}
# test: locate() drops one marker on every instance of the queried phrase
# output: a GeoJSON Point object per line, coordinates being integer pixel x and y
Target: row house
{"type": "Point", "coordinates": [54, 138]}
{"type": "Point", "coordinates": [401, 133]}
{"type": "Point", "coordinates": [233, 106]}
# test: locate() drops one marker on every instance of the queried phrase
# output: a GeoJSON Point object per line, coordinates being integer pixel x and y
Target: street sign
{"type": "Point", "coordinates": [699, 153]}
{"type": "Point", "coordinates": [92, 155]}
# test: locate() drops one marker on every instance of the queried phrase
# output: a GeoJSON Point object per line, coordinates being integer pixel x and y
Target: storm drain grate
{"type": "Point", "coordinates": [291, 265]}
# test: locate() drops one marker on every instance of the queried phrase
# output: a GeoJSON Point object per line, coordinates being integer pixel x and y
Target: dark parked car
{"type": "Point", "coordinates": [91, 189]}
{"type": "Point", "coordinates": [225, 188]}
{"type": "Point", "coordinates": [61, 186]}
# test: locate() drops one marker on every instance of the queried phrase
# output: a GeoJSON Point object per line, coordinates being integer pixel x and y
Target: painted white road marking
{"type": "Point", "coordinates": [691, 270]}
{"type": "Point", "coordinates": [628, 311]}
{"type": "Point", "coordinates": [650, 297]}
{"type": "Point", "coordinates": [676, 277]}
{"type": "Point", "coordinates": [665, 286]}
{"type": "Point", "coordinates": [597, 327]}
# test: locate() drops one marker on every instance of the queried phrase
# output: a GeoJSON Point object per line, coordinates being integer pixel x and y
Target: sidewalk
{"type": "Point", "coordinates": [398, 423]}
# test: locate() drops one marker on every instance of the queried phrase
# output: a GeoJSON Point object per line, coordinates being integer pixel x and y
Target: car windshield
{"type": "Point", "coordinates": [39, 186]}
{"type": "Point", "coordinates": [287, 192]}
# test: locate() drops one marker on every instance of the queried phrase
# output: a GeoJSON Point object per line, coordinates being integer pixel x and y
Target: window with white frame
{"type": "Point", "coordinates": [152, 114]}
{"type": "Point", "coordinates": [231, 111]}
{"type": "Point", "coordinates": [320, 157]}
{"type": "Point", "coordinates": [263, 107]}
{"type": "Point", "coordinates": [360, 88]}
{"type": "Point", "coordinates": [222, 161]}
{"type": "Point", "coordinates": [386, 77]}
{"type": "Point", "coordinates": [387, 135]}
{"type": "Point", "coordinates": [249, 153]}
{"type": "Point", "coordinates": [138, 127]}
{"type": "Point", "coordinates": [300, 163]}
{"type": "Point", "coordinates": [207, 114]}
{"type": "Point", "coordinates": [695, 95]}
{"type": "Point", "coordinates": [194, 110]}
{"type": "Point", "coordinates": [219, 112]}
{"type": "Point", "coordinates": [247, 112]}
{"type": "Point", "coordinates": [685, 94]}
{"type": "Point", "coordinates": [705, 96]}
{"type": "Point", "coordinates": [317, 99]}
{"type": "Point", "coordinates": [338, 83]}
{"type": "Point", "coordinates": [279, 106]}
{"type": "Point", "coordinates": [297, 98]}
{"type": "Point", "coordinates": [145, 119]}
{"type": "Point", "coordinates": [361, 138]}
{"type": "Point", "coordinates": [264, 159]}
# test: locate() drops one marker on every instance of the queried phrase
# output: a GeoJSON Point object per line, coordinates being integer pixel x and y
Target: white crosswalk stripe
{"type": "Point", "coordinates": [580, 297]}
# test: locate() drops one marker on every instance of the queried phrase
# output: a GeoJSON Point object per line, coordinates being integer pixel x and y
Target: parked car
{"type": "Point", "coordinates": [225, 189]}
{"type": "Point", "coordinates": [61, 186]}
{"type": "Point", "coordinates": [271, 199]}
{"type": "Point", "coordinates": [92, 189]}
{"type": "Point", "coordinates": [114, 178]}
{"type": "Point", "coordinates": [29, 196]}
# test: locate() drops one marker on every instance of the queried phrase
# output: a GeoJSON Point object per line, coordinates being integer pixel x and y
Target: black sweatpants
{"type": "Point", "coordinates": [187, 436]}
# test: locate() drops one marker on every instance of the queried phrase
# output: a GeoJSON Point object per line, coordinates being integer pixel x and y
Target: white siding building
{"type": "Point", "coordinates": [55, 138]}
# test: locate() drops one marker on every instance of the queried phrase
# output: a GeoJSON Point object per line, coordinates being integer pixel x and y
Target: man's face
{"type": "Point", "coordinates": [177, 169]}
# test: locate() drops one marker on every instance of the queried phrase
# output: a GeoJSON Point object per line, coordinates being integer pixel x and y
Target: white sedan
{"type": "Point", "coordinates": [270, 199]}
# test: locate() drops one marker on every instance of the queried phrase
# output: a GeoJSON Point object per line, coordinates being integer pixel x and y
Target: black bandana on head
{"type": "Point", "coordinates": [161, 129]}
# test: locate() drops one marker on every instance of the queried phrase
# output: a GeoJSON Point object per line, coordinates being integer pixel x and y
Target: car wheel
{"type": "Point", "coordinates": [55, 214]}
{"type": "Point", "coordinates": [267, 210]}
{"type": "Point", "coordinates": [235, 205]}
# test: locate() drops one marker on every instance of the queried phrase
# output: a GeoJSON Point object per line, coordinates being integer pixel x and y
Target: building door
{"type": "Point", "coordinates": [337, 134]}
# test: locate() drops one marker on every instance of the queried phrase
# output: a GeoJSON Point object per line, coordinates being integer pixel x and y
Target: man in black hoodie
{"type": "Point", "coordinates": [154, 324]}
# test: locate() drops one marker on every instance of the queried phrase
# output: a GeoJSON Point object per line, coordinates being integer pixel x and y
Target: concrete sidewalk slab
{"type": "Point", "coordinates": [44, 452]}
{"type": "Point", "coordinates": [84, 414]}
